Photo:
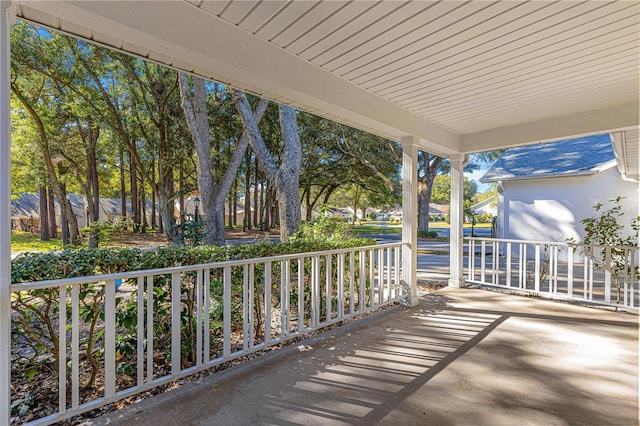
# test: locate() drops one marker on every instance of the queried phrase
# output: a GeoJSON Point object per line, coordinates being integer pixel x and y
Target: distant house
{"type": "Point", "coordinates": [545, 190]}
{"type": "Point", "coordinates": [25, 210]}
{"type": "Point", "coordinates": [488, 207]}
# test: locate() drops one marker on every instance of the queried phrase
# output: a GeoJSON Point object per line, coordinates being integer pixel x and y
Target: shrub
{"type": "Point", "coordinates": [427, 234]}
{"type": "Point", "coordinates": [35, 329]}
{"type": "Point", "coordinates": [606, 230]}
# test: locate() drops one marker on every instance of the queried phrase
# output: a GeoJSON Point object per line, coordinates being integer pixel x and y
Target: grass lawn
{"type": "Point", "coordinates": [396, 228]}
{"type": "Point", "coordinates": [24, 241]}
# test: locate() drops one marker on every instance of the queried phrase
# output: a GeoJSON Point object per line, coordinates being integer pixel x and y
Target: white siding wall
{"type": "Point", "coordinates": [551, 209]}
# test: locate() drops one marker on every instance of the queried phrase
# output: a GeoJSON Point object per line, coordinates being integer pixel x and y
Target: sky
{"type": "Point", "coordinates": [476, 175]}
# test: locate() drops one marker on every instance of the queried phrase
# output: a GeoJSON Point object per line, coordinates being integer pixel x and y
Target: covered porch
{"type": "Point", "coordinates": [450, 78]}
{"type": "Point", "coordinates": [460, 357]}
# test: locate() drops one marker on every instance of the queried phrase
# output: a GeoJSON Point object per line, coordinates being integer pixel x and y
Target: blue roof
{"type": "Point", "coordinates": [568, 157]}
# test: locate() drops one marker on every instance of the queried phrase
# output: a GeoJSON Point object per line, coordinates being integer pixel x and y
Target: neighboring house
{"type": "Point", "coordinates": [488, 207]}
{"type": "Point", "coordinates": [25, 209]}
{"type": "Point", "coordinates": [438, 211]}
{"type": "Point", "coordinates": [546, 190]}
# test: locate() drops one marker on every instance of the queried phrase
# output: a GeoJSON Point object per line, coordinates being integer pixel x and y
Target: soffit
{"type": "Point", "coordinates": [462, 76]}
{"type": "Point", "coordinates": [626, 146]}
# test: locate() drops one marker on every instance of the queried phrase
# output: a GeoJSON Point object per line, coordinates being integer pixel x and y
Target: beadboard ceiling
{"type": "Point", "coordinates": [462, 76]}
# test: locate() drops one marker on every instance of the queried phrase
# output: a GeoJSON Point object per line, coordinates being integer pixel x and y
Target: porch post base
{"type": "Point", "coordinates": [410, 301]}
{"type": "Point", "coordinates": [457, 283]}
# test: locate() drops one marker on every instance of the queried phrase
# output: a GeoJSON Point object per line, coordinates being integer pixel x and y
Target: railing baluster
{"type": "Point", "coordinates": [351, 281]}
{"type": "Point", "coordinates": [175, 322]}
{"type": "Point", "coordinates": [329, 281]}
{"type": "Point", "coordinates": [110, 339]}
{"type": "Point", "coordinates": [570, 271]}
{"type": "Point", "coordinates": [362, 281]}
{"type": "Point", "coordinates": [607, 275]}
{"type": "Point", "coordinates": [267, 302]}
{"type": "Point", "coordinates": [284, 297]}
{"type": "Point", "coordinates": [62, 350]}
{"type": "Point", "coordinates": [251, 306]}
{"type": "Point", "coordinates": [496, 262]}
{"type": "Point", "coordinates": [140, 331]}
{"type": "Point", "coordinates": [483, 252]}
{"type": "Point", "coordinates": [536, 278]}
{"type": "Point", "coordinates": [206, 317]}
{"type": "Point", "coordinates": [340, 277]}
{"type": "Point", "coordinates": [300, 294]}
{"type": "Point", "coordinates": [315, 277]}
{"type": "Point", "coordinates": [150, 329]}
{"type": "Point", "coordinates": [472, 260]}
{"type": "Point", "coordinates": [508, 264]}
{"type": "Point", "coordinates": [634, 279]}
{"type": "Point", "coordinates": [75, 346]}
{"type": "Point", "coordinates": [199, 307]}
{"type": "Point", "coordinates": [388, 268]}
{"type": "Point", "coordinates": [226, 315]}
{"type": "Point", "coordinates": [380, 276]}
{"type": "Point", "coordinates": [396, 287]}
{"type": "Point", "coordinates": [371, 278]}
{"type": "Point", "coordinates": [590, 279]}
{"type": "Point", "coordinates": [245, 309]}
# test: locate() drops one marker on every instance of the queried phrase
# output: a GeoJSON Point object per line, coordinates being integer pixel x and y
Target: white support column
{"type": "Point", "coordinates": [410, 217]}
{"type": "Point", "coordinates": [456, 211]}
{"type": "Point", "coordinates": [6, 18]}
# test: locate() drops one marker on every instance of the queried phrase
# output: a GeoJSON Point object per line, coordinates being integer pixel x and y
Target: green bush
{"type": "Point", "coordinates": [35, 331]}
{"type": "Point", "coordinates": [427, 234]}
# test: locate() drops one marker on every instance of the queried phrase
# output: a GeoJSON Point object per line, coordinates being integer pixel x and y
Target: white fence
{"type": "Point", "coordinates": [603, 275]}
{"type": "Point", "coordinates": [118, 335]}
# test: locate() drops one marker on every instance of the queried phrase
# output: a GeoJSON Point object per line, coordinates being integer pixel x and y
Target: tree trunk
{"type": "Point", "coordinates": [53, 226]}
{"type": "Point", "coordinates": [429, 164]}
{"type": "Point", "coordinates": [65, 206]}
{"type": "Point", "coordinates": [285, 178]}
{"type": "Point", "coordinates": [44, 214]}
{"type": "Point", "coordinates": [123, 188]}
{"type": "Point", "coordinates": [134, 196]}
{"type": "Point", "coordinates": [181, 191]}
{"type": "Point", "coordinates": [64, 216]}
{"type": "Point", "coordinates": [235, 202]}
{"type": "Point", "coordinates": [247, 192]}
{"type": "Point", "coordinates": [255, 193]}
{"type": "Point", "coordinates": [213, 194]}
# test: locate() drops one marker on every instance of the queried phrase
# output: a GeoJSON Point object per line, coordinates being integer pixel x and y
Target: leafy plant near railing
{"type": "Point", "coordinates": [35, 325]}
{"type": "Point", "coordinates": [607, 230]}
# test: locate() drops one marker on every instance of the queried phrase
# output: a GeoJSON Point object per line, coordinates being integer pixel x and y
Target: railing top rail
{"type": "Point", "coordinates": [563, 243]}
{"type": "Point", "coordinates": [39, 285]}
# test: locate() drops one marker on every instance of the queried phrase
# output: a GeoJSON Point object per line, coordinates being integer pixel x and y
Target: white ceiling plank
{"type": "Point", "coordinates": [554, 73]}
{"type": "Point", "coordinates": [372, 12]}
{"type": "Point", "coordinates": [214, 7]}
{"type": "Point", "coordinates": [593, 58]}
{"type": "Point", "coordinates": [262, 13]}
{"type": "Point", "coordinates": [416, 36]}
{"type": "Point", "coordinates": [284, 19]}
{"type": "Point", "coordinates": [502, 51]}
{"type": "Point", "coordinates": [314, 17]}
{"type": "Point", "coordinates": [375, 34]}
{"type": "Point", "coordinates": [236, 10]}
{"type": "Point", "coordinates": [309, 44]}
{"type": "Point", "coordinates": [556, 128]}
{"type": "Point", "coordinates": [556, 104]}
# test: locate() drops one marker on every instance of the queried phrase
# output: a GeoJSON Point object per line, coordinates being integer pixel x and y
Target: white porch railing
{"type": "Point", "coordinates": [165, 324]}
{"type": "Point", "coordinates": [558, 270]}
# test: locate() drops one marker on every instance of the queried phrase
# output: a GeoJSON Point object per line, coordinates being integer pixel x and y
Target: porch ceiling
{"type": "Point", "coordinates": [463, 76]}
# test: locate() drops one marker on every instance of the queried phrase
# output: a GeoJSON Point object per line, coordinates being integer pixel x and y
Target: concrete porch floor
{"type": "Point", "coordinates": [462, 357]}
